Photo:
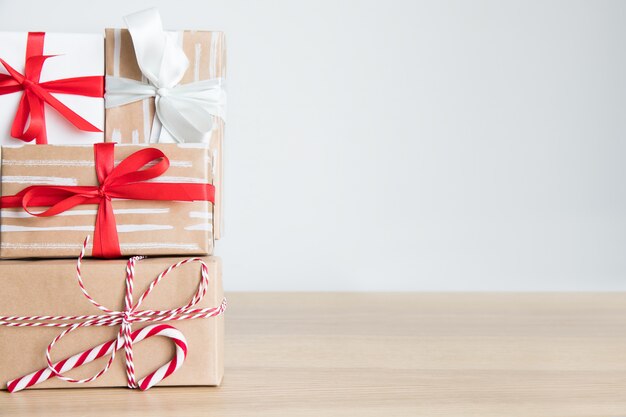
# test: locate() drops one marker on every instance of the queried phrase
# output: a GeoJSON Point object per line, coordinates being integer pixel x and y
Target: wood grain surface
{"type": "Point", "coordinates": [347, 354]}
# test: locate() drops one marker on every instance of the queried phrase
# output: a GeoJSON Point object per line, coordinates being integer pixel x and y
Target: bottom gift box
{"type": "Point", "coordinates": [176, 332]}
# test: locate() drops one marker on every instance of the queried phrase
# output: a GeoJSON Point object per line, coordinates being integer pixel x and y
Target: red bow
{"type": "Point", "coordinates": [126, 181]}
{"type": "Point", "coordinates": [36, 93]}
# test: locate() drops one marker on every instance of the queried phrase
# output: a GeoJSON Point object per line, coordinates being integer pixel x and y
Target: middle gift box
{"type": "Point", "coordinates": [134, 199]}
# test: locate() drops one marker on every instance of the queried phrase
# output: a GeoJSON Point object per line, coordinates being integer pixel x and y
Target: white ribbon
{"type": "Point", "coordinates": [185, 110]}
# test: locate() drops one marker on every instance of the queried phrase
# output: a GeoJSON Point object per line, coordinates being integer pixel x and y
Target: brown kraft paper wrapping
{"type": "Point", "coordinates": [144, 227]}
{"type": "Point", "coordinates": [132, 122]}
{"type": "Point", "coordinates": [49, 287]}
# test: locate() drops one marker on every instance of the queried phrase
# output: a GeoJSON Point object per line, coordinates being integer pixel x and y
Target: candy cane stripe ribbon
{"type": "Point", "coordinates": [184, 110]}
{"type": "Point", "coordinates": [125, 338]}
{"type": "Point", "coordinates": [104, 349]}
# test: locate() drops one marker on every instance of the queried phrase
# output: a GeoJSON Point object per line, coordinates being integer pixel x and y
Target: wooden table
{"type": "Point", "coordinates": [332, 354]}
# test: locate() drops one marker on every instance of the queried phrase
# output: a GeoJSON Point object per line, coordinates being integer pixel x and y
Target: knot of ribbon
{"type": "Point", "coordinates": [30, 121]}
{"type": "Point", "coordinates": [128, 180]}
{"type": "Point", "coordinates": [184, 110]}
{"type": "Point", "coordinates": [126, 337]}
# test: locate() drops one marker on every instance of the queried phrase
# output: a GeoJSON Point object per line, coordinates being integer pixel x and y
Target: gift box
{"type": "Point", "coordinates": [51, 88]}
{"type": "Point", "coordinates": [50, 288]}
{"type": "Point", "coordinates": [167, 87]}
{"type": "Point", "coordinates": [126, 195]}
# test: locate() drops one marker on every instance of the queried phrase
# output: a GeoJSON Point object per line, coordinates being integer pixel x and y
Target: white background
{"type": "Point", "coordinates": [404, 145]}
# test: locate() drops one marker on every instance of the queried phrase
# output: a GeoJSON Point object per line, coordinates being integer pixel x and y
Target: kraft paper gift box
{"type": "Point", "coordinates": [50, 287]}
{"type": "Point", "coordinates": [138, 121]}
{"type": "Point", "coordinates": [73, 74]}
{"type": "Point", "coordinates": [144, 227]}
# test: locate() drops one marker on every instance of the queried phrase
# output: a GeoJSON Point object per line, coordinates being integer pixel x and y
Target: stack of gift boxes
{"type": "Point", "coordinates": [111, 192]}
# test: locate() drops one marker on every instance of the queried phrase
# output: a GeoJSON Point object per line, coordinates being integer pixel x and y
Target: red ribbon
{"type": "Point", "coordinates": [126, 181]}
{"type": "Point", "coordinates": [36, 93]}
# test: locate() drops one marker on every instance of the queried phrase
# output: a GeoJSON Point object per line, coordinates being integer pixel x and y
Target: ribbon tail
{"type": "Point", "coordinates": [73, 117]}
{"type": "Point", "coordinates": [185, 121]}
{"type": "Point", "coordinates": [106, 242]}
{"type": "Point", "coordinates": [41, 137]}
{"type": "Point", "coordinates": [209, 94]}
{"type": "Point", "coordinates": [157, 133]}
{"type": "Point", "coordinates": [189, 110]}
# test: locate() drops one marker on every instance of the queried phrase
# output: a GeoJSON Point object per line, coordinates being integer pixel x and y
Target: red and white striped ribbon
{"type": "Point", "coordinates": [125, 338]}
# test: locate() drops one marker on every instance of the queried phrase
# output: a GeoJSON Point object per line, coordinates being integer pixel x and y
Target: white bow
{"type": "Point", "coordinates": [184, 110]}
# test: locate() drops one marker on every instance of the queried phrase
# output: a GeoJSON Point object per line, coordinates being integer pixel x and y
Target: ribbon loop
{"type": "Point", "coordinates": [130, 169]}
{"type": "Point", "coordinates": [159, 57]}
{"type": "Point", "coordinates": [29, 122]}
{"type": "Point", "coordinates": [186, 111]}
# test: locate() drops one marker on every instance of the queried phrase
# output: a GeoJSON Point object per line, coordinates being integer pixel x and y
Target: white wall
{"type": "Point", "coordinates": [404, 145]}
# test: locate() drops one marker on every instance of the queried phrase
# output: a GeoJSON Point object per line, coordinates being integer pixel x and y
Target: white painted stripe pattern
{"type": "Point", "coordinates": [178, 164]}
{"type": "Point", "coordinates": [214, 162]}
{"type": "Point", "coordinates": [196, 65]}
{"type": "Point", "coordinates": [200, 215]}
{"type": "Point", "coordinates": [18, 213]}
{"type": "Point", "coordinates": [192, 145]}
{"type": "Point", "coordinates": [160, 245]}
{"type": "Point", "coordinates": [124, 246]}
{"type": "Point", "coordinates": [83, 145]}
{"type": "Point", "coordinates": [117, 35]}
{"type": "Point", "coordinates": [116, 136]}
{"type": "Point", "coordinates": [201, 226]}
{"type": "Point", "coordinates": [35, 179]}
{"type": "Point", "coordinates": [79, 163]}
{"type": "Point", "coordinates": [147, 123]}
{"type": "Point", "coordinates": [167, 178]}
{"type": "Point", "coordinates": [49, 162]}
{"type": "Point", "coordinates": [121, 228]}
{"type": "Point", "coordinates": [11, 228]}
{"type": "Point", "coordinates": [213, 55]}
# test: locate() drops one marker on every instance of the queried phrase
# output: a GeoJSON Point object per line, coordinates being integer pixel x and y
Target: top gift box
{"type": "Point", "coordinates": [51, 88]}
